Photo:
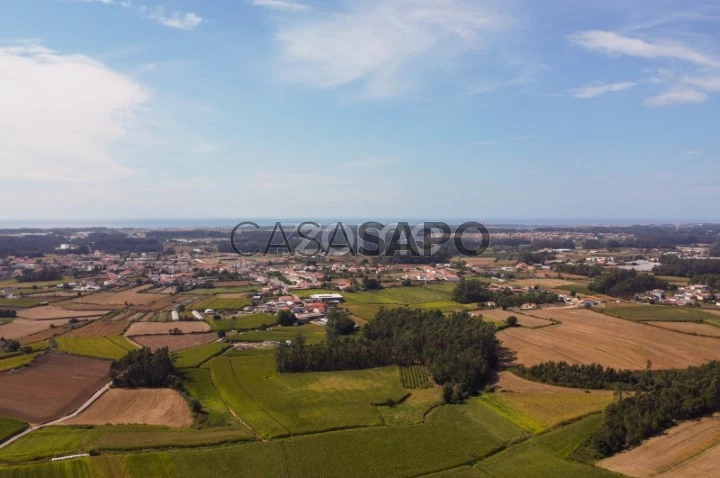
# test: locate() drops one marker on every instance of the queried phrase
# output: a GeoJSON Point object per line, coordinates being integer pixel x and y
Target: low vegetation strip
{"type": "Point", "coordinates": [74, 468]}
{"type": "Point", "coordinates": [113, 347]}
{"type": "Point", "coordinates": [199, 385]}
{"type": "Point", "coordinates": [66, 440]}
{"type": "Point", "coordinates": [17, 361]}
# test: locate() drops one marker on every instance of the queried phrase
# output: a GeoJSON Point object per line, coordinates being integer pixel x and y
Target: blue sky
{"type": "Point", "coordinates": [376, 108]}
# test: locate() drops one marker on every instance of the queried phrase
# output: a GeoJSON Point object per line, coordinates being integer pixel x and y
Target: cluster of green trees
{"type": "Point", "coordinates": [626, 283]}
{"type": "Point", "coordinates": [668, 396]}
{"type": "Point", "coordinates": [339, 323]}
{"type": "Point", "coordinates": [592, 376]}
{"type": "Point", "coordinates": [40, 275]}
{"type": "Point", "coordinates": [672, 265]}
{"type": "Point", "coordinates": [7, 313]}
{"type": "Point", "coordinates": [470, 291]}
{"type": "Point", "coordinates": [145, 368]}
{"type": "Point", "coordinates": [459, 350]}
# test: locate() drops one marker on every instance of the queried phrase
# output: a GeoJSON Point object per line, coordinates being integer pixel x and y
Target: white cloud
{"type": "Point", "coordinates": [375, 42]}
{"type": "Point", "coordinates": [613, 44]}
{"type": "Point", "coordinates": [281, 5]}
{"type": "Point", "coordinates": [677, 95]}
{"type": "Point", "coordinates": [59, 115]}
{"type": "Point", "coordinates": [591, 91]}
{"type": "Point", "coordinates": [183, 21]}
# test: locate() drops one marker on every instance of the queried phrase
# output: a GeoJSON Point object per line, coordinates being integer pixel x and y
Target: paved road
{"type": "Point", "coordinates": [82, 408]}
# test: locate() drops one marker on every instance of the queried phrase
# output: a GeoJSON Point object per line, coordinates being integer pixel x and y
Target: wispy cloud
{"type": "Point", "coordinates": [78, 106]}
{"type": "Point", "coordinates": [677, 95]}
{"type": "Point", "coordinates": [591, 91]}
{"type": "Point", "coordinates": [373, 44]}
{"type": "Point", "coordinates": [281, 5]}
{"type": "Point", "coordinates": [612, 43]}
{"type": "Point", "coordinates": [183, 21]}
{"type": "Point", "coordinates": [172, 19]}
{"type": "Point", "coordinates": [687, 78]}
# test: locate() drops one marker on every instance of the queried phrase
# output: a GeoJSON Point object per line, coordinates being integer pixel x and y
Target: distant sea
{"type": "Point", "coordinates": [173, 223]}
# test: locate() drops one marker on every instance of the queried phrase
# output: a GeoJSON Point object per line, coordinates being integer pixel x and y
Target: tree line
{"type": "Point", "coordinates": [40, 275]}
{"type": "Point", "coordinates": [8, 313]}
{"type": "Point", "coordinates": [471, 291]}
{"type": "Point", "coordinates": [625, 283]}
{"type": "Point", "coordinates": [672, 265]}
{"type": "Point", "coordinates": [145, 368]}
{"type": "Point", "coordinates": [459, 351]}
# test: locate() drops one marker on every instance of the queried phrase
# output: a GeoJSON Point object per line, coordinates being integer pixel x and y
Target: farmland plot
{"type": "Point", "coordinates": [53, 386]}
{"type": "Point", "coordinates": [22, 327]}
{"type": "Point", "coordinates": [175, 342]}
{"type": "Point", "coordinates": [157, 406]}
{"type": "Point", "coordinates": [113, 348]}
{"type": "Point", "coordinates": [160, 328]}
{"type": "Point", "coordinates": [586, 337]}
{"type": "Point", "coordinates": [54, 312]}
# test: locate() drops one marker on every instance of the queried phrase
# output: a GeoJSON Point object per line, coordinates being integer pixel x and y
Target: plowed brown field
{"type": "Point", "coordinates": [174, 342]}
{"type": "Point", "coordinates": [162, 328]}
{"type": "Point", "coordinates": [52, 387]}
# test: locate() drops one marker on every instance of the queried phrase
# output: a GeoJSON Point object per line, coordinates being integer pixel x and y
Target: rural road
{"type": "Point", "coordinates": [82, 408]}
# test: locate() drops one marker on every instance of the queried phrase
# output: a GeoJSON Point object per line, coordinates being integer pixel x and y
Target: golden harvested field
{"type": "Point", "coordinates": [524, 320]}
{"type": "Point", "coordinates": [133, 296]}
{"type": "Point", "coordinates": [100, 328]}
{"type": "Point", "coordinates": [588, 337]}
{"type": "Point", "coordinates": [175, 342]}
{"type": "Point", "coordinates": [22, 327]}
{"type": "Point", "coordinates": [687, 450]}
{"type": "Point", "coordinates": [162, 328]}
{"type": "Point", "coordinates": [53, 312]}
{"type": "Point", "coordinates": [689, 328]}
{"type": "Point", "coordinates": [156, 406]}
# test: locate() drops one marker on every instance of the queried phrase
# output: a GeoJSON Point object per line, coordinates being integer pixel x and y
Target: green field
{"type": "Point", "coordinates": [217, 303]}
{"type": "Point", "coordinates": [16, 361]}
{"type": "Point", "coordinates": [196, 356]}
{"type": "Point", "coordinates": [10, 426]}
{"type": "Point", "coordinates": [663, 313]}
{"type": "Point", "coordinates": [577, 288]}
{"type": "Point", "coordinates": [243, 322]}
{"type": "Point", "coordinates": [312, 333]}
{"type": "Point", "coordinates": [114, 347]}
{"type": "Point", "coordinates": [503, 429]}
{"type": "Point", "coordinates": [21, 302]}
{"type": "Point", "coordinates": [281, 404]}
{"type": "Point", "coordinates": [76, 468]}
{"type": "Point", "coordinates": [548, 455]}
{"type": "Point", "coordinates": [227, 290]}
{"type": "Point", "coordinates": [67, 440]}
{"type": "Point", "coordinates": [199, 385]}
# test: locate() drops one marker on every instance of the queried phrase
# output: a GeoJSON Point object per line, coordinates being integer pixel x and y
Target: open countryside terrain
{"type": "Point", "coordinates": [175, 342]}
{"type": "Point", "coordinates": [161, 328]}
{"type": "Point", "coordinates": [22, 327]}
{"type": "Point", "coordinates": [584, 336]}
{"type": "Point", "coordinates": [52, 386]}
{"type": "Point", "coordinates": [54, 312]}
{"type": "Point", "coordinates": [156, 406]}
{"type": "Point", "coordinates": [685, 451]}
{"type": "Point", "coordinates": [111, 347]}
